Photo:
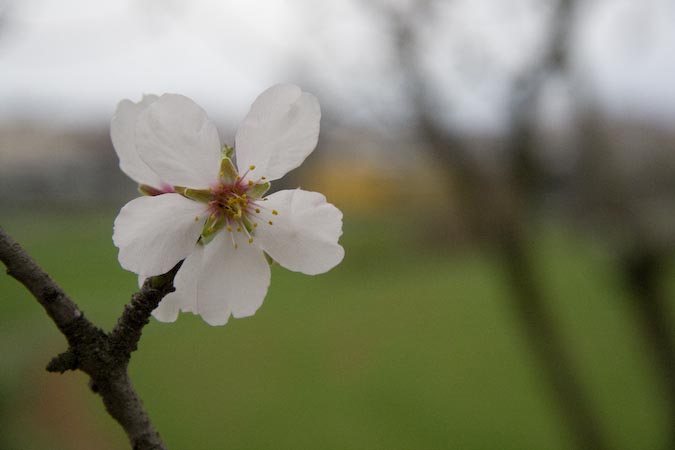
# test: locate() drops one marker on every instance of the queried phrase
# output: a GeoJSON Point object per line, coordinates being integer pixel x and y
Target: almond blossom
{"type": "Point", "coordinates": [205, 203]}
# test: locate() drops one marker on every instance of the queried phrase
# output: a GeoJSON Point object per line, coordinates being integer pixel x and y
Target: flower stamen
{"type": "Point", "coordinates": [234, 243]}
{"type": "Point", "coordinates": [233, 203]}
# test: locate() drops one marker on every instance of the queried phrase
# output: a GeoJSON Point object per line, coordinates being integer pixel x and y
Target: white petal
{"type": "Point", "coordinates": [123, 135]}
{"type": "Point", "coordinates": [167, 310]}
{"type": "Point", "coordinates": [304, 234]}
{"type": "Point", "coordinates": [184, 298]}
{"type": "Point", "coordinates": [279, 132]}
{"type": "Point", "coordinates": [154, 233]}
{"type": "Point", "coordinates": [177, 140]}
{"type": "Point", "coordinates": [231, 281]}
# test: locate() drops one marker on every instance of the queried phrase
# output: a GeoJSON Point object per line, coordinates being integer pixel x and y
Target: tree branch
{"type": "Point", "coordinates": [127, 332]}
{"type": "Point", "coordinates": [62, 310]}
{"type": "Point", "coordinates": [104, 357]}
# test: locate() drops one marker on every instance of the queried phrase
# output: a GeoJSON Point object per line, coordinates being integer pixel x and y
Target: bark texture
{"type": "Point", "coordinates": [103, 356]}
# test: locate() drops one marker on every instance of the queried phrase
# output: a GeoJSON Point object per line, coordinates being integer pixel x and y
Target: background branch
{"type": "Point", "coordinates": [499, 208]}
{"type": "Point", "coordinates": [102, 356]}
{"type": "Point", "coordinates": [643, 271]}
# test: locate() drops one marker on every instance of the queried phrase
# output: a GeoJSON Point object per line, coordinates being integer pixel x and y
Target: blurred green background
{"type": "Point", "coordinates": [401, 346]}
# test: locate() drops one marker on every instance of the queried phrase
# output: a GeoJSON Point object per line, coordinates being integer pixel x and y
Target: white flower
{"type": "Point", "coordinates": [203, 208]}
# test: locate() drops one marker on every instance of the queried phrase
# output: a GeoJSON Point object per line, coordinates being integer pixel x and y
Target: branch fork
{"type": "Point", "coordinates": [103, 356]}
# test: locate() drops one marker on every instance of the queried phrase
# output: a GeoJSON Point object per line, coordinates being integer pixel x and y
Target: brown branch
{"type": "Point", "coordinates": [104, 357]}
{"type": "Point", "coordinates": [127, 332]}
{"type": "Point", "coordinates": [62, 310]}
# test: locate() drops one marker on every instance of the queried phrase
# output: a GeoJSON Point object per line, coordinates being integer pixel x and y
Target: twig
{"type": "Point", "coordinates": [102, 356]}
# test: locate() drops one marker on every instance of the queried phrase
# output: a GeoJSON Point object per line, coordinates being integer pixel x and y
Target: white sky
{"type": "Point", "coordinates": [76, 58]}
{"type": "Point", "coordinates": [73, 60]}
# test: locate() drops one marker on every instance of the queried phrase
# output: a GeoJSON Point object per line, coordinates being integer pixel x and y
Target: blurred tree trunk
{"type": "Point", "coordinates": [643, 270]}
{"type": "Point", "coordinates": [500, 210]}
{"type": "Point", "coordinates": [529, 301]}
{"type": "Point", "coordinates": [642, 265]}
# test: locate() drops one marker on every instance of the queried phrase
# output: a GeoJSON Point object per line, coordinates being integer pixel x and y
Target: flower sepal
{"type": "Point", "coordinates": [211, 227]}
{"type": "Point", "coordinates": [148, 190]}
{"type": "Point", "coordinates": [227, 151]}
{"type": "Point", "coordinates": [228, 172]}
{"type": "Point", "coordinates": [258, 190]}
{"type": "Point", "coordinates": [198, 195]}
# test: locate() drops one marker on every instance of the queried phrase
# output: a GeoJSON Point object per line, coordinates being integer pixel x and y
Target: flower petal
{"type": "Point", "coordinates": [184, 298]}
{"type": "Point", "coordinates": [154, 233]}
{"type": "Point", "coordinates": [304, 233]}
{"type": "Point", "coordinates": [175, 138]}
{"type": "Point", "coordinates": [279, 132]}
{"type": "Point", "coordinates": [232, 281]}
{"type": "Point", "coordinates": [167, 310]}
{"type": "Point", "coordinates": [123, 135]}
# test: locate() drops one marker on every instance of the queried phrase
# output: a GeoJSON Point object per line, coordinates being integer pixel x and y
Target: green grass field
{"type": "Point", "coordinates": [402, 347]}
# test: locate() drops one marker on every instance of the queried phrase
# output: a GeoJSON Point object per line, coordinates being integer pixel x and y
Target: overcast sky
{"type": "Point", "coordinates": [73, 60]}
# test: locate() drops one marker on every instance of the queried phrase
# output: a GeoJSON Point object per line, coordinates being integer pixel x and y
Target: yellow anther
{"type": "Point", "coordinates": [255, 225]}
{"type": "Point", "coordinates": [229, 228]}
{"type": "Point", "coordinates": [196, 218]}
{"type": "Point", "coordinates": [250, 240]}
{"type": "Point", "coordinates": [270, 222]}
{"type": "Point", "coordinates": [263, 178]}
{"type": "Point", "coordinates": [251, 167]}
{"type": "Point", "coordinates": [250, 182]}
{"type": "Point", "coordinates": [239, 229]}
{"type": "Point", "coordinates": [275, 212]}
{"type": "Point", "coordinates": [257, 210]}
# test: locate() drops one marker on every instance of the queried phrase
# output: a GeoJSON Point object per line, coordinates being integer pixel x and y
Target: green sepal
{"type": "Point", "coordinates": [228, 173]}
{"type": "Point", "coordinates": [206, 239]}
{"type": "Point", "coordinates": [213, 224]}
{"type": "Point", "coordinates": [227, 151]}
{"type": "Point", "coordinates": [248, 225]}
{"type": "Point", "coordinates": [258, 190]}
{"type": "Point", "coordinates": [198, 195]}
{"type": "Point", "coordinates": [148, 190]}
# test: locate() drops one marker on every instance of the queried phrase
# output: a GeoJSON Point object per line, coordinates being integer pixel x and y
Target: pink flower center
{"type": "Point", "coordinates": [231, 202]}
{"type": "Point", "coordinates": [235, 204]}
